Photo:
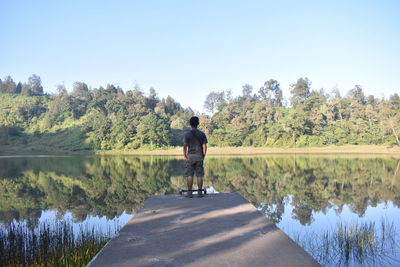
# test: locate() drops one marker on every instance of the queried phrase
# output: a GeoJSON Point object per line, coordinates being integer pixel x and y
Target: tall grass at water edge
{"type": "Point", "coordinates": [51, 244]}
{"type": "Point", "coordinates": [356, 244]}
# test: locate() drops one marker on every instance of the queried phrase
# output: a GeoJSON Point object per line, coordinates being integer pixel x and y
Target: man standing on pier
{"type": "Point", "coordinates": [194, 151]}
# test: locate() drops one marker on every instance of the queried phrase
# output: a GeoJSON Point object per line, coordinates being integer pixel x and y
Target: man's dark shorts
{"type": "Point", "coordinates": [193, 166]}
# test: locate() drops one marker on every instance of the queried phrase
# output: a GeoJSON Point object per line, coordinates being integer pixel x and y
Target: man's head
{"type": "Point", "coordinates": [194, 122]}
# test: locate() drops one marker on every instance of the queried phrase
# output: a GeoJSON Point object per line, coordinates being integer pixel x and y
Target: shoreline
{"type": "Point", "coordinates": [350, 149]}
{"type": "Point", "coordinates": [217, 151]}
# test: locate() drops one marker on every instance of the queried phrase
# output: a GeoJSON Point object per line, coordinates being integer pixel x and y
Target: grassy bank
{"type": "Point", "coordinates": [351, 149]}
{"type": "Point", "coordinates": [221, 151]}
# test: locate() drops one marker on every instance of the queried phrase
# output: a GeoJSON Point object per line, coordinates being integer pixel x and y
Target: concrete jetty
{"type": "Point", "coordinates": [216, 230]}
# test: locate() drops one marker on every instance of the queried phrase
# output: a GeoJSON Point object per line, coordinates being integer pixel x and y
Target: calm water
{"type": "Point", "coordinates": [309, 197]}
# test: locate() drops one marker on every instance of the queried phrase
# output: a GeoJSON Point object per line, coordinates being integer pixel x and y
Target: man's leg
{"type": "Point", "coordinates": [200, 175]}
{"type": "Point", "coordinates": [189, 174]}
{"type": "Point", "coordinates": [200, 182]}
{"type": "Point", "coordinates": [200, 186]}
{"type": "Point", "coordinates": [189, 186]}
{"type": "Point", "coordinates": [190, 182]}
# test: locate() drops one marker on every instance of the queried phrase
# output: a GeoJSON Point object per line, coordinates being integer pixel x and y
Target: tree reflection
{"type": "Point", "coordinates": [316, 182]}
{"type": "Point", "coordinates": [109, 185]}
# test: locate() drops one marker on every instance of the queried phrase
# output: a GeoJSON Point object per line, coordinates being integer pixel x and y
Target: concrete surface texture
{"type": "Point", "coordinates": [216, 230]}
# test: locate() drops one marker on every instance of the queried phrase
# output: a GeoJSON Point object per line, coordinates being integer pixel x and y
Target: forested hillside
{"type": "Point", "coordinates": [111, 118]}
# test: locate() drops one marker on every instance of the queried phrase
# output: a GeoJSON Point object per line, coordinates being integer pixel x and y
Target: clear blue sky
{"type": "Point", "coordinates": [188, 48]}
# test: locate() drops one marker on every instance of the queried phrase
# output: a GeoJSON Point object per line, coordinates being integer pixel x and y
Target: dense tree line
{"type": "Point", "coordinates": [111, 118]}
{"type": "Point", "coordinates": [100, 118]}
{"type": "Point", "coordinates": [33, 87]}
{"type": "Point", "coordinates": [313, 118]}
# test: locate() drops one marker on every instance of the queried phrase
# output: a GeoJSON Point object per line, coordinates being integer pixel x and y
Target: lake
{"type": "Point", "coordinates": [343, 209]}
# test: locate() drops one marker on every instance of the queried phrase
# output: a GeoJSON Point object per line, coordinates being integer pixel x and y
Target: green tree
{"type": "Point", "coordinates": [300, 91]}
{"type": "Point", "coordinates": [153, 130]}
{"type": "Point", "coordinates": [213, 101]}
{"type": "Point", "coordinates": [80, 99]}
{"type": "Point", "coordinates": [271, 92]}
{"type": "Point", "coordinates": [61, 89]}
{"type": "Point", "coordinates": [59, 109]}
{"type": "Point", "coordinates": [390, 117]}
{"type": "Point", "coordinates": [35, 85]}
{"type": "Point", "coordinates": [247, 92]}
{"type": "Point", "coordinates": [357, 95]}
{"type": "Point", "coordinates": [26, 90]}
{"type": "Point", "coordinates": [171, 106]}
{"type": "Point", "coordinates": [8, 86]}
{"type": "Point", "coordinates": [18, 89]}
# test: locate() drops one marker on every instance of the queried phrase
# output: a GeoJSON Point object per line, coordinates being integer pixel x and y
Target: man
{"type": "Point", "coordinates": [194, 151]}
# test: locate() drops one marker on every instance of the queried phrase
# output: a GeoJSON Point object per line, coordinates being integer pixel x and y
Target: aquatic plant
{"type": "Point", "coordinates": [50, 244]}
{"type": "Point", "coordinates": [363, 244]}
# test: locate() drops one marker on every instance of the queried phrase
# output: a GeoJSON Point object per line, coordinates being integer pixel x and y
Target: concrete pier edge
{"type": "Point", "coordinates": [216, 230]}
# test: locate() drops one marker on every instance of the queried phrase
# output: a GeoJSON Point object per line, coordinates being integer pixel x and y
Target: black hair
{"type": "Point", "coordinates": [194, 121]}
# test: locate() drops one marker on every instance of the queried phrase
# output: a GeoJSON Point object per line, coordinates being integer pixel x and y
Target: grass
{"type": "Point", "coordinates": [50, 244]}
{"type": "Point", "coordinates": [350, 149]}
{"type": "Point", "coordinates": [69, 146]}
{"type": "Point", "coordinates": [363, 244]}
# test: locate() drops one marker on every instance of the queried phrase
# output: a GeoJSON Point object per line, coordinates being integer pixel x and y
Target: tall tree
{"type": "Point", "coordinates": [81, 98]}
{"type": "Point", "coordinates": [18, 89]}
{"type": "Point", "coordinates": [152, 99]}
{"type": "Point", "coordinates": [212, 101]}
{"type": "Point", "coordinates": [171, 106]}
{"type": "Point", "coordinates": [357, 95]}
{"type": "Point", "coordinates": [80, 89]}
{"type": "Point", "coordinates": [300, 91]}
{"type": "Point", "coordinates": [247, 91]}
{"type": "Point", "coordinates": [35, 84]}
{"type": "Point", "coordinates": [271, 92]}
{"type": "Point", "coordinates": [61, 89]}
{"type": "Point", "coordinates": [8, 86]}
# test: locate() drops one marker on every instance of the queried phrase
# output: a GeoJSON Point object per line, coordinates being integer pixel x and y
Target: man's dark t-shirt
{"type": "Point", "coordinates": [195, 139]}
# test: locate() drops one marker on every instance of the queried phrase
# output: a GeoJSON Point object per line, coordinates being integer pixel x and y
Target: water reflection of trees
{"type": "Point", "coordinates": [104, 186]}
{"type": "Point", "coordinates": [316, 183]}
{"type": "Point", "coordinates": [108, 185]}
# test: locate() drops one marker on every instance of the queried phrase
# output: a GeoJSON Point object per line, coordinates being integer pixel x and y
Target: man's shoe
{"type": "Point", "coordinates": [189, 194]}
{"type": "Point", "coordinates": [200, 193]}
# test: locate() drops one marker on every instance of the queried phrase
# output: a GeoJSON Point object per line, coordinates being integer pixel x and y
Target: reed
{"type": "Point", "coordinates": [357, 244]}
{"type": "Point", "coordinates": [51, 244]}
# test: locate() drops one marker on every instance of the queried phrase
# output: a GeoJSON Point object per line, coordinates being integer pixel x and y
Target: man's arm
{"type": "Point", "coordinates": [204, 150]}
{"type": "Point", "coordinates": [185, 150]}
